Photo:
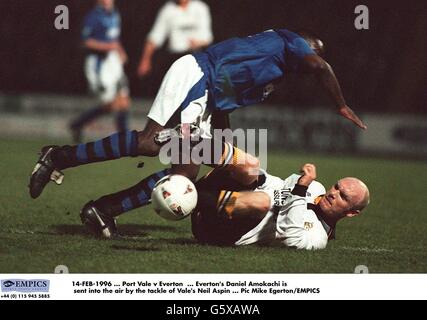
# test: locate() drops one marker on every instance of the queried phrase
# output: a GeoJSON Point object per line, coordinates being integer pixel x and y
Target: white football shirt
{"type": "Point", "coordinates": [292, 223]}
{"type": "Point", "coordinates": [182, 25]}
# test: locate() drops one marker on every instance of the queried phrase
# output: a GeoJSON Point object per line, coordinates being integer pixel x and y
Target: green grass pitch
{"type": "Point", "coordinates": [37, 235]}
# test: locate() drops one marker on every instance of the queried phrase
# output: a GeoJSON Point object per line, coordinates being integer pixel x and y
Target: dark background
{"type": "Point", "coordinates": [382, 69]}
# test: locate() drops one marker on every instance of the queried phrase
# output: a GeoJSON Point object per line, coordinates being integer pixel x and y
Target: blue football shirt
{"type": "Point", "coordinates": [101, 25]}
{"type": "Point", "coordinates": [242, 71]}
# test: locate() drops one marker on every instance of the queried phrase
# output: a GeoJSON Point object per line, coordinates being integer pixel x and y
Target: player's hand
{"type": "Point", "coordinates": [349, 114]}
{"type": "Point", "coordinates": [144, 68]}
{"type": "Point", "coordinates": [308, 174]}
{"type": "Point", "coordinates": [196, 44]}
{"type": "Point", "coordinates": [113, 45]}
{"type": "Point", "coordinates": [123, 56]}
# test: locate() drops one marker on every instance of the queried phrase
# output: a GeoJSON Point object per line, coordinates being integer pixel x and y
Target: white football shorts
{"type": "Point", "coordinates": [183, 90]}
{"type": "Point", "coordinates": [106, 76]}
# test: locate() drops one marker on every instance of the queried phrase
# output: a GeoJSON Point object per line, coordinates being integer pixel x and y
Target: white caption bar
{"type": "Point", "coordinates": [212, 286]}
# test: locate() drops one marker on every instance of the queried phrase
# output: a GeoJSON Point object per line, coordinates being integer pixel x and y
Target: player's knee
{"type": "Point", "coordinates": [252, 165]}
{"type": "Point", "coordinates": [125, 105]}
{"type": "Point", "coordinates": [121, 103]}
{"type": "Point", "coordinates": [249, 170]}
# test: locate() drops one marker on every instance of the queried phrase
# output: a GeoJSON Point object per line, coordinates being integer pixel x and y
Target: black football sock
{"type": "Point", "coordinates": [134, 197]}
{"type": "Point", "coordinates": [118, 145]}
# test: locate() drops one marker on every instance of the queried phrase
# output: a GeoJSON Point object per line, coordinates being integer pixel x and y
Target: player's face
{"type": "Point", "coordinates": [106, 4]}
{"type": "Point", "coordinates": [341, 198]}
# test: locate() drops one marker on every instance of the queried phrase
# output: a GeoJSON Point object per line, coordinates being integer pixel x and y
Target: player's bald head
{"type": "Point", "coordinates": [358, 190]}
{"type": "Point", "coordinates": [313, 41]}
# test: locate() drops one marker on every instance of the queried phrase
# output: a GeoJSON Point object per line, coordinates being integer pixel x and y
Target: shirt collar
{"type": "Point", "coordinates": [330, 230]}
{"type": "Point", "coordinates": [101, 9]}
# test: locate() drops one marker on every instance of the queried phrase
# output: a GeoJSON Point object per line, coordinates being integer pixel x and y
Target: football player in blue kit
{"type": "Point", "coordinates": [104, 67]}
{"type": "Point", "coordinates": [229, 75]}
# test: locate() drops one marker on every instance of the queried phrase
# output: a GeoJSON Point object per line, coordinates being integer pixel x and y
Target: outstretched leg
{"type": "Point", "coordinates": [53, 159]}
{"type": "Point", "coordinates": [99, 215]}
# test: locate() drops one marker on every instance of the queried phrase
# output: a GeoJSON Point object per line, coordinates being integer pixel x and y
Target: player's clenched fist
{"type": "Point", "coordinates": [308, 174]}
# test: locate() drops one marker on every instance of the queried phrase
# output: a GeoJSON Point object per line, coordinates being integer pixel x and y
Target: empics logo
{"type": "Point", "coordinates": [21, 285]}
{"type": "Point", "coordinates": [8, 283]}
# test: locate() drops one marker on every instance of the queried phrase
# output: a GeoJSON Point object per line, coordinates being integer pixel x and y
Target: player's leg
{"type": "Point", "coordinates": [173, 93]}
{"type": "Point", "coordinates": [224, 217]}
{"type": "Point", "coordinates": [121, 108]}
{"type": "Point", "coordinates": [179, 80]}
{"type": "Point", "coordinates": [226, 208]}
{"type": "Point", "coordinates": [225, 212]}
{"type": "Point", "coordinates": [242, 167]}
{"type": "Point", "coordinates": [121, 103]}
{"type": "Point", "coordinates": [99, 216]}
{"type": "Point", "coordinates": [54, 159]}
{"type": "Point", "coordinates": [100, 74]}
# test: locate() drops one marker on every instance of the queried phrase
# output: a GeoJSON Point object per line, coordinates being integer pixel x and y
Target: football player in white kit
{"type": "Point", "coordinates": [297, 211]}
{"type": "Point", "coordinates": [104, 67]}
{"type": "Point", "coordinates": [185, 24]}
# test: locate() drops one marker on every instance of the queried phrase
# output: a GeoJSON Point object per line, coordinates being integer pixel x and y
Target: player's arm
{"type": "Point", "coordinates": [290, 221]}
{"type": "Point", "coordinates": [145, 63]}
{"type": "Point", "coordinates": [122, 53]}
{"type": "Point", "coordinates": [309, 174]}
{"type": "Point", "coordinates": [102, 46]}
{"type": "Point", "coordinates": [155, 39]}
{"type": "Point", "coordinates": [326, 76]}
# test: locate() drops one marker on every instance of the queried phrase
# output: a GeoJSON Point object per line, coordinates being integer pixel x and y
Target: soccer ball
{"type": "Point", "coordinates": [174, 197]}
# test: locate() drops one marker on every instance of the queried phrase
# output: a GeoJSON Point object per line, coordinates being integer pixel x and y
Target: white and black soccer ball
{"type": "Point", "coordinates": [174, 197]}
